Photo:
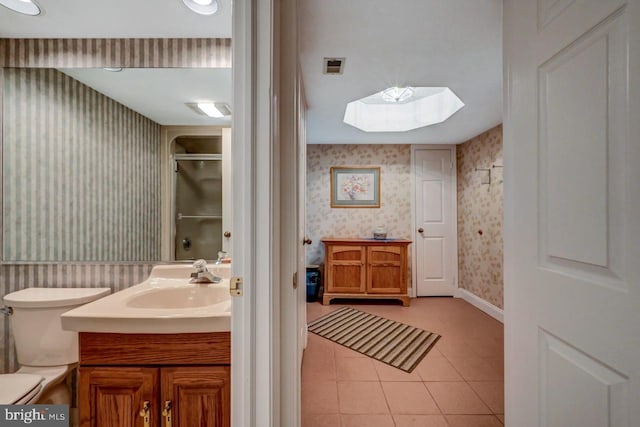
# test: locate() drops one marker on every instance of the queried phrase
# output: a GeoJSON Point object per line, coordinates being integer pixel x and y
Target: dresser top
{"type": "Point", "coordinates": [365, 241]}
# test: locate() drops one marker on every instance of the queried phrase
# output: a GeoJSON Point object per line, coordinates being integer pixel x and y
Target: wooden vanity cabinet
{"type": "Point", "coordinates": [366, 268]}
{"type": "Point", "coordinates": [183, 379]}
{"type": "Point", "coordinates": [113, 396]}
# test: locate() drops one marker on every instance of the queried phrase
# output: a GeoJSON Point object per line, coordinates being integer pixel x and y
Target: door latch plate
{"type": "Point", "coordinates": [235, 287]}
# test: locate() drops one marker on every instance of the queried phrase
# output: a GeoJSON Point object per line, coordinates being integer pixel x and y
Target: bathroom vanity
{"type": "Point", "coordinates": [154, 379]}
{"type": "Point", "coordinates": [156, 354]}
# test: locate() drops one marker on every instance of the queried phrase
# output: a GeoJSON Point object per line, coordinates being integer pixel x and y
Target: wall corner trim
{"type": "Point", "coordinates": [493, 311]}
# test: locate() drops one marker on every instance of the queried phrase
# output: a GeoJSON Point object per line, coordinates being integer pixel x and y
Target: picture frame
{"type": "Point", "coordinates": [355, 187]}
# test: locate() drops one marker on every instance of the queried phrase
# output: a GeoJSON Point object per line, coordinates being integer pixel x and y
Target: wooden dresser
{"type": "Point", "coordinates": [365, 268]}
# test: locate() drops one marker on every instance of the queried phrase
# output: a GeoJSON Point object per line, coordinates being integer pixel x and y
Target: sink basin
{"type": "Point", "coordinates": [185, 297]}
{"type": "Point", "coordinates": [166, 303]}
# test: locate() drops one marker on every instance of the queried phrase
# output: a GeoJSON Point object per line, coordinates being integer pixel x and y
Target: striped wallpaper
{"type": "Point", "coordinates": [128, 53]}
{"type": "Point", "coordinates": [81, 173]}
{"type": "Point", "coordinates": [68, 53]}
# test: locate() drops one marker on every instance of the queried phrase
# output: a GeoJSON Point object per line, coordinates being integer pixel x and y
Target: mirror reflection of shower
{"type": "Point", "coordinates": [198, 197]}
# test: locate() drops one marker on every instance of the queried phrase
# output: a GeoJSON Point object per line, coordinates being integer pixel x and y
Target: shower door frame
{"type": "Point", "coordinates": [169, 136]}
{"type": "Point", "coordinates": [174, 214]}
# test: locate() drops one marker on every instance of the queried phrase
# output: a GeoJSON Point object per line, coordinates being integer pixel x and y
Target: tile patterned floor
{"type": "Point", "coordinates": [459, 384]}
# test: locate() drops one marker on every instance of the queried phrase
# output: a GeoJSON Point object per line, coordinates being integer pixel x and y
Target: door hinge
{"type": "Point", "coordinates": [175, 167]}
{"type": "Point", "coordinates": [451, 165]}
{"type": "Point", "coordinates": [295, 280]}
{"type": "Point", "coordinates": [235, 287]}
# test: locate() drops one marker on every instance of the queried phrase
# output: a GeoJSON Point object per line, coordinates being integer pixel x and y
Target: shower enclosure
{"type": "Point", "coordinates": [198, 198]}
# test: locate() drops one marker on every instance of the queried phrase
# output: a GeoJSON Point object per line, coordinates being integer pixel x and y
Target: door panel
{"type": "Point", "coordinates": [114, 396]}
{"type": "Point", "coordinates": [435, 195]}
{"type": "Point", "coordinates": [385, 269]}
{"type": "Point", "coordinates": [199, 396]}
{"type": "Point", "coordinates": [572, 212]}
{"type": "Point", "coordinates": [346, 272]}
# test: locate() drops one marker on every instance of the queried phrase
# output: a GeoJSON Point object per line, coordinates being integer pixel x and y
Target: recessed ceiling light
{"type": "Point", "coordinates": [216, 110]}
{"type": "Point", "coordinates": [203, 7]}
{"type": "Point", "coordinates": [209, 108]}
{"type": "Point", "coordinates": [26, 7]}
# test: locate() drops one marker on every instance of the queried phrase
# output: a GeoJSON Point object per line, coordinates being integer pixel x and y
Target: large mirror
{"type": "Point", "coordinates": [87, 156]}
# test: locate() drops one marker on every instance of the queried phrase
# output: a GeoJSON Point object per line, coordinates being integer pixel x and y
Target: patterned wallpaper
{"type": "Point", "coordinates": [81, 173]}
{"type": "Point", "coordinates": [128, 53]}
{"type": "Point", "coordinates": [134, 53]}
{"type": "Point", "coordinates": [480, 209]}
{"type": "Point", "coordinates": [395, 194]}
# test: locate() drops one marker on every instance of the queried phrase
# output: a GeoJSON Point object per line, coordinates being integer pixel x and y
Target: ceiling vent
{"type": "Point", "coordinates": [333, 65]}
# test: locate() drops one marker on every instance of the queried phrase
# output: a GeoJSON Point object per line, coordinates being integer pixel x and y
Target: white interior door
{"type": "Point", "coordinates": [572, 212]}
{"type": "Point", "coordinates": [435, 222]}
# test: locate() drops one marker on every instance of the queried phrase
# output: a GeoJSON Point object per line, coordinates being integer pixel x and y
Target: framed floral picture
{"type": "Point", "coordinates": [355, 187]}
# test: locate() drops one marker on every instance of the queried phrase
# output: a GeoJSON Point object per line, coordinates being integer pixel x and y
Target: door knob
{"type": "Point", "coordinates": [227, 234]}
{"type": "Point", "coordinates": [420, 230]}
{"type": "Point", "coordinates": [307, 241]}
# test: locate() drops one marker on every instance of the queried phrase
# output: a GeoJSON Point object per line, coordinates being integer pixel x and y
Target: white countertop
{"type": "Point", "coordinates": [165, 303]}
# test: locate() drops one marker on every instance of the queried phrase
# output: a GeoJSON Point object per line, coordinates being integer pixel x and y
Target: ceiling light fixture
{"type": "Point", "coordinates": [113, 69]}
{"type": "Point", "coordinates": [209, 108]}
{"type": "Point", "coordinates": [202, 7]}
{"type": "Point", "coordinates": [216, 110]}
{"type": "Point", "coordinates": [26, 7]}
{"type": "Point", "coordinates": [397, 94]}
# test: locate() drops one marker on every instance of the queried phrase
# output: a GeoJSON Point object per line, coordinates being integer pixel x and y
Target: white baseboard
{"type": "Point", "coordinates": [493, 311]}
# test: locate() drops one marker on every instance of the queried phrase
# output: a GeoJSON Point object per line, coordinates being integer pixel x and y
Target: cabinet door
{"type": "Point", "coordinates": [199, 396]}
{"type": "Point", "coordinates": [386, 270]}
{"type": "Point", "coordinates": [345, 269]}
{"type": "Point", "coordinates": [115, 396]}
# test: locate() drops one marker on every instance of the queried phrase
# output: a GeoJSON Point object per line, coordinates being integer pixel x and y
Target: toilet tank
{"type": "Point", "coordinates": [36, 326]}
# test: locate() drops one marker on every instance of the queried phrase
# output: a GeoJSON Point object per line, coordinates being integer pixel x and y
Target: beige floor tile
{"type": "Point", "coordinates": [450, 346]}
{"type": "Point", "coordinates": [321, 420]}
{"type": "Point", "coordinates": [456, 398]}
{"type": "Point", "coordinates": [320, 397]}
{"type": "Point", "coordinates": [342, 351]}
{"type": "Point", "coordinates": [367, 421]}
{"type": "Point", "coordinates": [477, 368]}
{"type": "Point", "coordinates": [473, 421]}
{"type": "Point", "coordinates": [491, 393]}
{"type": "Point", "coordinates": [361, 397]}
{"type": "Point", "coordinates": [409, 398]}
{"type": "Point", "coordinates": [389, 373]}
{"type": "Point", "coordinates": [318, 362]}
{"type": "Point", "coordinates": [420, 421]}
{"type": "Point", "coordinates": [355, 369]}
{"type": "Point", "coordinates": [437, 368]}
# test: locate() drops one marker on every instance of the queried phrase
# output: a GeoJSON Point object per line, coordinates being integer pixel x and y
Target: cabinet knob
{"type": "Point", "coordinates": [227, 234]}
{"type": "Point", "coordinates": [307, 241]}
{"type": "Point", "coordinates": [420, 230]}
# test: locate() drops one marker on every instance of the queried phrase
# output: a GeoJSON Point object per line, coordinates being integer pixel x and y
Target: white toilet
{"type": "Point", "coordinates": [46, 353]}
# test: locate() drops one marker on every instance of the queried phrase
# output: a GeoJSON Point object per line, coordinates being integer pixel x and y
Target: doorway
{"type": "Point", "coordinates": [434, 196]}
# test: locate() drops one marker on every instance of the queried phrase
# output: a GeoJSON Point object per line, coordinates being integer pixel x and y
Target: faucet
{"type": "Point", "coordinates": [221, 256]}
{"type": "Point", "coordinates": [202, 274]}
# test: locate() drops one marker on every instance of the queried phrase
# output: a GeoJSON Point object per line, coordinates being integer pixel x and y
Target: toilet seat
{"type": "Point", "coordinates": [19, 388]}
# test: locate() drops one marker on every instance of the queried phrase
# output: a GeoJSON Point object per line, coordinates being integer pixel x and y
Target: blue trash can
{"type": "Point", "coordinates": [313, 282]}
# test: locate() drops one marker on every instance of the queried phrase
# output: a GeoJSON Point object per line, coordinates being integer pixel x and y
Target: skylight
{"type": "Point", "coordinates": [26, 7]}
{"type": "Point", "coordinates": [400, 109]}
